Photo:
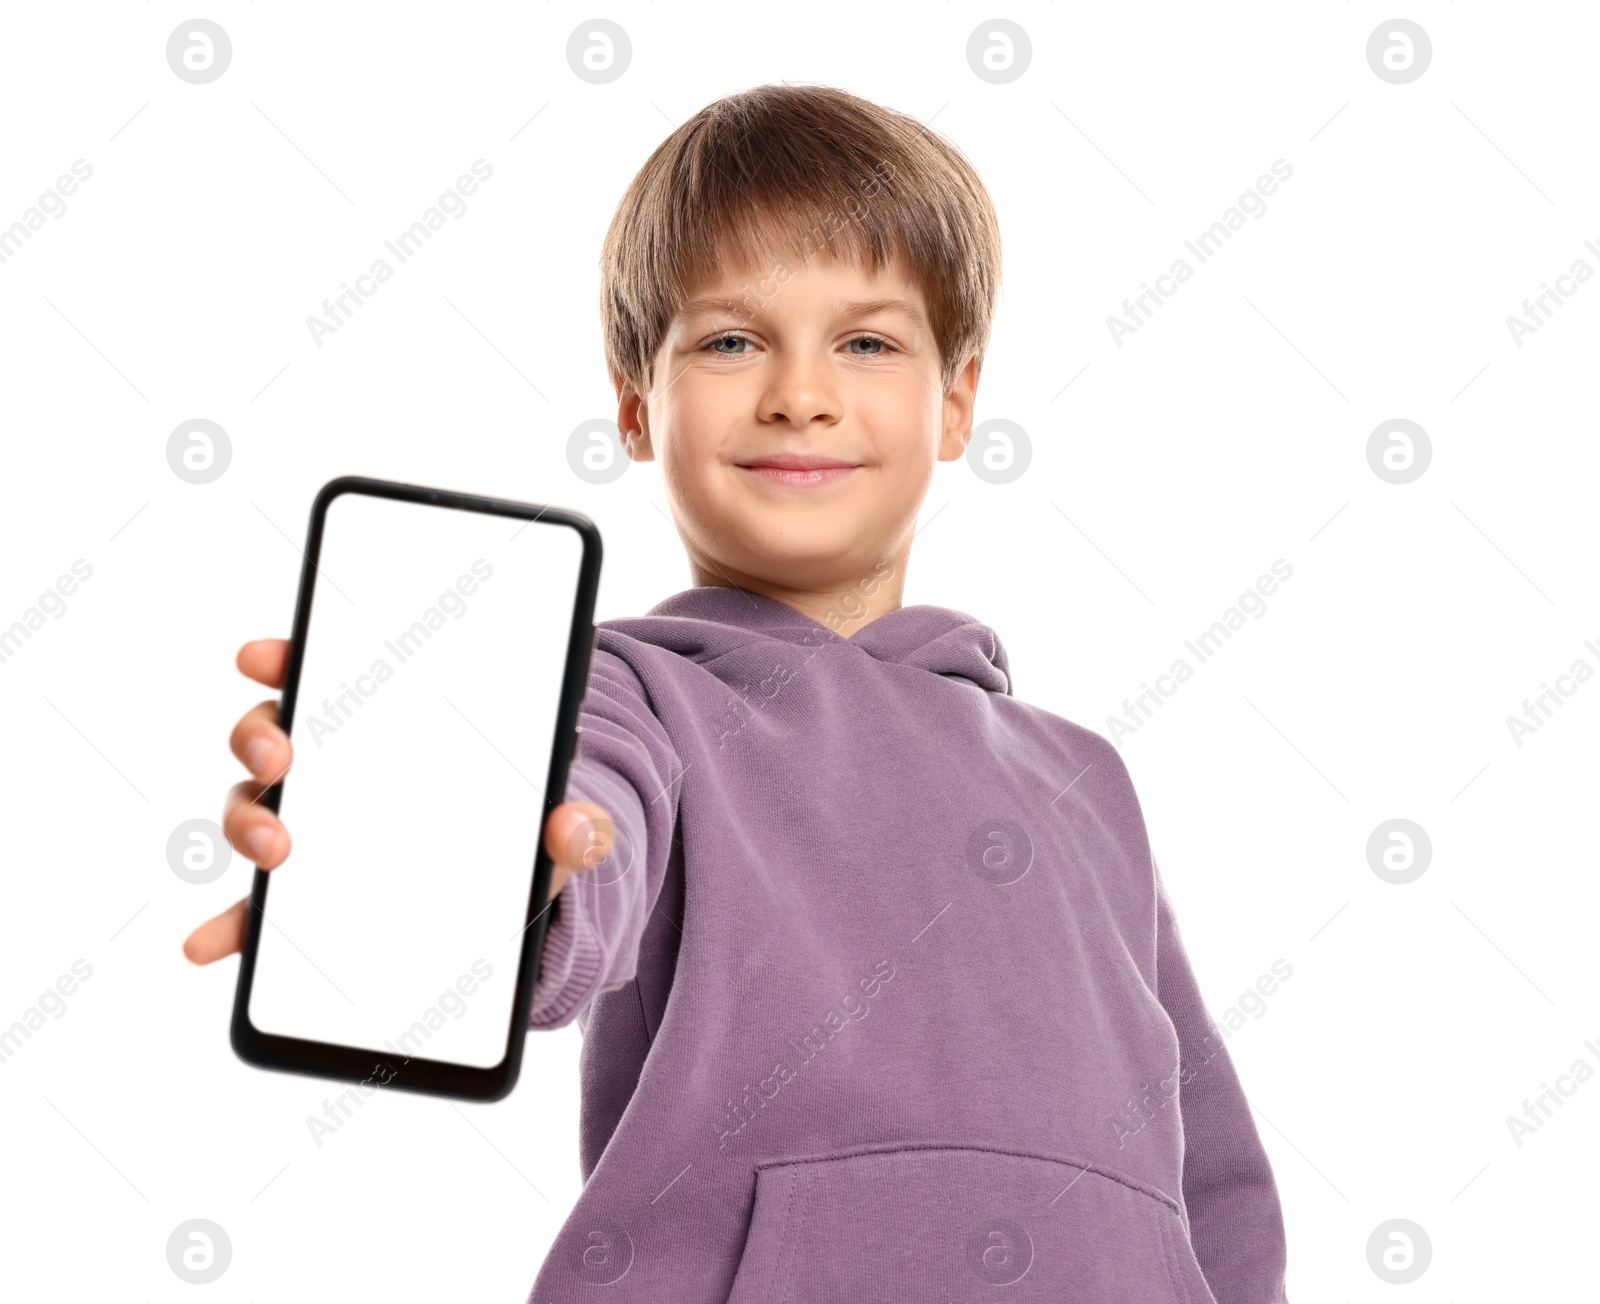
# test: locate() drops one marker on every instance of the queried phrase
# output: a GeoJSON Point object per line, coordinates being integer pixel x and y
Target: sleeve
{"type": "Point", "coordinates": [1235, 1220]}
{"type": "Point", "coordinates": [626, 763]}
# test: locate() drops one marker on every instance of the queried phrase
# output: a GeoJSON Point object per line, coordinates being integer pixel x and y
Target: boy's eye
{"type": "Point", "coordinates": [727, 339]}
{"type": "Point", "coordinates": [883, 345]}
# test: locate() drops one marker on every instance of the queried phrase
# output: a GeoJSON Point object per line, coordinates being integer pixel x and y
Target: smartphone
{"type": "Point", "coordinates": [440, 652]}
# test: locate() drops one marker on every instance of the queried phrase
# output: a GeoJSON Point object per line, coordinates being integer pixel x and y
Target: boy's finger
{"type": "Point", "coordinates": [261, 744]}
{"type": "Point", "coordinates": [218, 937]}
{"type": "Point", "coordinates": [264, 660]}
{"type": "Point", "coordinates": [252, 829]}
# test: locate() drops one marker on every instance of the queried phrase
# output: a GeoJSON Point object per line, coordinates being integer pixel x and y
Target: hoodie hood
{"type": "Point", "coordinates": [701, 624]}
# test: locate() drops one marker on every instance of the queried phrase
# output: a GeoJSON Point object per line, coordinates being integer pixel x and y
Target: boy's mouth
{"type": "Point", "coordinates": [799, 470]}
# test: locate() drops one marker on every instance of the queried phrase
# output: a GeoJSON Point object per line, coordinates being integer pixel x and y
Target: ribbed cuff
{"type": "Point", "coordinates": [570, 964]}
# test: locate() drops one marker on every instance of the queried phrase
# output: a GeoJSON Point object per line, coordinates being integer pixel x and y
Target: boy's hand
{"type": "Point", "coordinates": [578, 834]}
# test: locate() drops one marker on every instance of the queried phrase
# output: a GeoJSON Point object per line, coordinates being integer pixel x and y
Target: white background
{"type": "Point", "coordinates": [1167, 474]}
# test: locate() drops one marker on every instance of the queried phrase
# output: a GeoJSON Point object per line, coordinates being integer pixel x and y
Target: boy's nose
{"type": "Point", "coordinates": [798, 392]}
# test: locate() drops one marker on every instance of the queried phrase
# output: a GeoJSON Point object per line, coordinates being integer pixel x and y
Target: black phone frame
{"type": "Point", "coordinates": [355, 1064]}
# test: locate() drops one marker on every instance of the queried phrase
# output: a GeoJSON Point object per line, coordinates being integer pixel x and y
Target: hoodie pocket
{"type": "Point", "coordinates": [957, 1223]}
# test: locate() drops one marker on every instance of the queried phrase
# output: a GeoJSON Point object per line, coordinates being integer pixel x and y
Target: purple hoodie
{"type": "Point", "coordinates": [881, 994]}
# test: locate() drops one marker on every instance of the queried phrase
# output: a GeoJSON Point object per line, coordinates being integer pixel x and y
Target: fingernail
{"type": "Point", "coordinates": [256, 754]}
{"type": "Point", "coordinates": [261, 841]}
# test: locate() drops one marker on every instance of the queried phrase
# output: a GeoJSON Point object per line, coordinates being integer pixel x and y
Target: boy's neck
{"type": "Point", "coordinates": [844, 605]}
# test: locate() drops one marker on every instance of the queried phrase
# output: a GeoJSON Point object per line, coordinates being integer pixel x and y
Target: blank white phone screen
{"type": "Point", "coordinates": [423, 728]}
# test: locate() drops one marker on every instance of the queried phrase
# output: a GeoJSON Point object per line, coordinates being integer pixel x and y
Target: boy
{"type": "Point", "coordinates": [882, 996]}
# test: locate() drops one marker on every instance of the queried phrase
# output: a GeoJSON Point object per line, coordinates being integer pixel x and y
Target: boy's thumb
{"type": "Point", "coordinates": [579, 835]}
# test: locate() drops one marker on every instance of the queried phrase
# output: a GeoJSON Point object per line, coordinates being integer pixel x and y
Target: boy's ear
{"type": "Point", "coordinates": [633, 421]}
{"type": "Point", "coordinates": [958, 406]}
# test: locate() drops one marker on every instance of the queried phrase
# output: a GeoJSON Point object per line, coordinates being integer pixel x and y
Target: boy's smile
{"type": "Point", "coordinates": [799, 470]}
{"type": "Point", "coordinates": [795, 407]}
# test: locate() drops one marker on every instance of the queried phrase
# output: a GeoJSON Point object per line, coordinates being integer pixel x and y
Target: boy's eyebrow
{"type": "Point", "coordinates": [842, 307]}
{"type": "Point", "coordinates": [853, 308]}
{"type": "Point", "coordinates": [693, 306]}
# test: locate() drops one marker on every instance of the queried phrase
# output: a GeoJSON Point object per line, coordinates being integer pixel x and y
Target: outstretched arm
{"type": "Point", "coordinates": [626, 764]}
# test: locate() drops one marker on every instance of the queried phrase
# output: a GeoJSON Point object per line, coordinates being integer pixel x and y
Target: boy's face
{"type": "Point", "coordinates": [820, 362]}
